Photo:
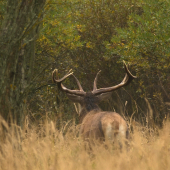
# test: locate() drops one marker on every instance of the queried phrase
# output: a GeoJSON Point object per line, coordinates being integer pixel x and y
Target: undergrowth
{"type": "Point", "coordinates": [44, 147]}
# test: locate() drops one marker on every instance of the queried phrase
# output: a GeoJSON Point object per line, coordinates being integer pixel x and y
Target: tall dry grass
{"type": "Point", "coordinates": [43, 147]}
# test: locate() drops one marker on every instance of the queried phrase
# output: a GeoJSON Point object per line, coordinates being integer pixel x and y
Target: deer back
{"type": "Point", "coordinates": [95, 123]}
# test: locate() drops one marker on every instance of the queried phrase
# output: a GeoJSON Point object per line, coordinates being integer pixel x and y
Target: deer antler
{"type": "Point", "coordinates": [127, 79]}
{"type": "Point", "coordinates": [60, 85]}
{"type": "Point", "coordinates": [95, 81]}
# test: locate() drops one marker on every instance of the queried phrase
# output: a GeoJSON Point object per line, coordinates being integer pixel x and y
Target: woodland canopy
{"type": "Point", "coordinates": [38, 36]}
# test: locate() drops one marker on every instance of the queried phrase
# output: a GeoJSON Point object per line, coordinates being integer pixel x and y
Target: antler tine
{"type": "Point", "coordinates": [63, 78]}
{"type": "Point", "coordinates": [60, 85]}
{"type": "Point", "coordinates": [127, 79]}
{"type": "Point", "coordinates": [78, 83]}
{"type": "Point", "coordinates": [95, 81]}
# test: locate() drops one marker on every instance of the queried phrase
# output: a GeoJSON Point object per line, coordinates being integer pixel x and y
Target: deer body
{"type": "Point", "coordinates": [96, 124]}
{"type": "Point", "coordinates": [100, 125]}
{"type": "Point", "coordinates": [103, 126]}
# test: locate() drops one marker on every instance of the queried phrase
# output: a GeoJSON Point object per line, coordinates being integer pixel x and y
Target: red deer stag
{"type": "Point", "coordinates": [95, 123]}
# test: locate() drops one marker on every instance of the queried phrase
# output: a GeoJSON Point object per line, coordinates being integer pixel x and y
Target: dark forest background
{"type": "Point", "coordinates": [37, 36]}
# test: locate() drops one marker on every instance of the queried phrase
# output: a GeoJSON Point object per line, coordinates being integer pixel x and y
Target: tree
{"type": "Point", "coordinates": [146, 44]}
{"type": "Point", "coordinates": [19, 30]}
{"type": "Point", "coordinates": [97, 35]}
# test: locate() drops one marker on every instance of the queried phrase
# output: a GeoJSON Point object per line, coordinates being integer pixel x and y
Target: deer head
{"type": "Point", "coordinates": [95, 123]}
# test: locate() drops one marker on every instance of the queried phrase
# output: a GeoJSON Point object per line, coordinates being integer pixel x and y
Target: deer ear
{"type": "Point", "coordinates": [75, 98]}
{"type": "Point", "coordinates": [104, 96]}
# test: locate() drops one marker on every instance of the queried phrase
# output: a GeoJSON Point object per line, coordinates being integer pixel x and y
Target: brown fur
{"type": "Point", "coordinates": [96, 124]}
{"type": "Point", "coordinates": [103, 126]}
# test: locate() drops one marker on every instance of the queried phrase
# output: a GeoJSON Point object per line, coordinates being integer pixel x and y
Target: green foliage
{"type": "Point", "coordinates": [146, 40]}
{"type": "Point", "coordinates": [2, 10]}
{"type": "Point", "coordinates": [145, 43]}
{"type": "Point", "coordinates": [97, 35]}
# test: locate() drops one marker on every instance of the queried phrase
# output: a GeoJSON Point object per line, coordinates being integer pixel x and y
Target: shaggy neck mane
{"type": "Point", "coordinates": [90, 104]}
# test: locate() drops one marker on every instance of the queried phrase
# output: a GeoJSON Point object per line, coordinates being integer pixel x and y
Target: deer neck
{"type": "Point", "coordinates": [87, 109]}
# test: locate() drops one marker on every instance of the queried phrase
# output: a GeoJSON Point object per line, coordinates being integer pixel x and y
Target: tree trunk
{"type": "Point", "coordinates": [19, 30]}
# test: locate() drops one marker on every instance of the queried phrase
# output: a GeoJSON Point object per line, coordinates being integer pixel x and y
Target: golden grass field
{"type": "Point", "coordinates": [44, 147]}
